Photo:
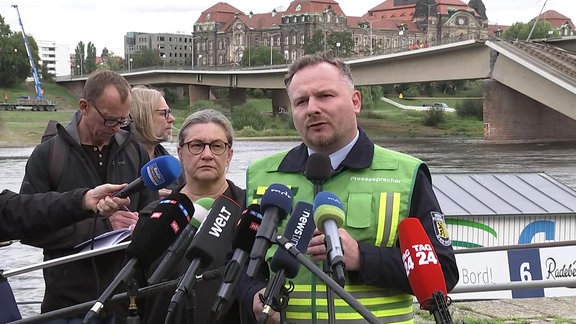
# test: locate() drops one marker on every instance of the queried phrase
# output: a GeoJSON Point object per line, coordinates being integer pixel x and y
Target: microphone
{"type": "Point", "coordinates": [276, 204]}
{"type": "Point", "coordinates": [156, 174]}
{"type": "Point", "coordinates": [150, 238]}
{"type": "Point", "coordinates": [329, 216]}
{"type": "Point", "coordinates": [423, 269]}
{"type": "Point", "coordinates": [318, 170]}
{"type": "Point", "coordinates": [177, 249]}
{"type": "Point", "coordinates": [242, 244]}
{"type": "Point", "coordinates": [213, 237]}
{"type": "Point", "coordinates": [299, 231]}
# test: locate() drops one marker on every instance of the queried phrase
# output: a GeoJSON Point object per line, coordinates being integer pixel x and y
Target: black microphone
{"type": "Point", "coordinates": [177, 249]}
{"type": "Point", "coordinates": [318, 170]}
{"type": "Point", "coordinates": [329, 216]}
{"type": "Point", "coordinates": [213, 237]}
{"type": "Point", "coordinates": [151, 236]}
{"type": "Point", "coordinates": [276, 204]}
{"type": "Point", "coordinates": [243, 242]}
{"type": "Point", "coordinates": [299, 231]}
{"type": "Point", "coordinates": [156, 174]}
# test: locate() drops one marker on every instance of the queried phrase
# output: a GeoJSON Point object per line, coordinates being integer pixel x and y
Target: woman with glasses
{"type": "Point", "coordinates": [152, 122]}
{"type": "Point", "coordinates": [152, 119]}
{"type": "Point", "coordinates": [205, 151]}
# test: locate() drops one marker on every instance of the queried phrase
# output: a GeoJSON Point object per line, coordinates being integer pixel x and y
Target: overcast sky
{"type": "Point", "coordinates": [105, 22]}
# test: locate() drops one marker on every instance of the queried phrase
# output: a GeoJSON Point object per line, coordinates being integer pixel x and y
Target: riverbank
{"type": "Point", "coordinates": [553, 310]}
{"type": "Point", "coordinates": [25, 128]}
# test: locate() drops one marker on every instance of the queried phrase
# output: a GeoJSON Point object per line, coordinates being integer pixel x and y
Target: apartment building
{"type": "Point", "coordinates": [174, 49]}
{"type": "Point", "coordinates": [55, 56]}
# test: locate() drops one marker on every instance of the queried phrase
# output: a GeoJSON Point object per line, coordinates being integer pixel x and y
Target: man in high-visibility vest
{"type": "Point", "coordinates": [378, 188]}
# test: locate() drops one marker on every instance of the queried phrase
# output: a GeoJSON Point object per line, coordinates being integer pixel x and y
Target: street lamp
{"type": "Point", "coordinates": [272, 45]}
{"type": "Point", "coordinates": [200, 59]}
{"type": "Point", "coordinates": [129, 63]}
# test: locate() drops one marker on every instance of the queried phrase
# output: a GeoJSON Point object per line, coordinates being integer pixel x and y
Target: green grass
{"type": "Point", "coordinates": [383, 119]}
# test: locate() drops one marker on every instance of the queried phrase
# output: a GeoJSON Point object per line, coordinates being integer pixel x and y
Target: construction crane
{"type": "Point", "coordinates": [38, 85]}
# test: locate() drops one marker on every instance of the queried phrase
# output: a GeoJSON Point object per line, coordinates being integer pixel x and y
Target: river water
{"type": "Point", "coordinates": [442, 155]}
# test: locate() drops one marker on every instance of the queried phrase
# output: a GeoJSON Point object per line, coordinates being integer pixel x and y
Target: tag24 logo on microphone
{"type": "Point", "coordinates": [423, 253]}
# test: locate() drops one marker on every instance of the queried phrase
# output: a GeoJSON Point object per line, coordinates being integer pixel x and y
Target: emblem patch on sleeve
{"type": "Point", "coordinates": [440, 228]}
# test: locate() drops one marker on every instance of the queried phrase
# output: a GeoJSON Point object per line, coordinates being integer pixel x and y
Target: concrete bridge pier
{"type": "Point", "coordinates": [237, 97]}
{"type": "Point", "coordinates": [198, 92]}
{"type": "Point", "coordinates": [280, 101]}
{"type": "Point", "coordinates": [511, 116]}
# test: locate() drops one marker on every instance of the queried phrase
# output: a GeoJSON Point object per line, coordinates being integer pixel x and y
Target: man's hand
{"type": "Point", "coordinates": [98, 199]}
{"type": "Point", "coordinates": [317, 249]}
{"type": "Point", "coordinates": [123, 219]}
{"type": "Point", "coordinates": [258, 307]}
{"type": "Point", "coordinates": [164, 193]}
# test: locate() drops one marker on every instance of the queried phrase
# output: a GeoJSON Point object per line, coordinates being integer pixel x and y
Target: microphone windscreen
{"type": "Point", "coordinates": [152, 235]}
{"type": "Point", "coordinates": [420, 261]}
{"type": "Point", "coordinates": [216, 232]}
{"type": "Point", "coordinates": [201, 209]}
{"type": "Point", "coordinates": [247, 228]}
{"type": "Point", "coordinates": [318, 167]}
{"type": "Point", "coordinates": [328, 206]}
{"type": "Point", "coordinates": [299, 231]}
{"type": "Point", "coordinates": [160, 172]}
{"type": "Point", "coordinates": [277, 195]}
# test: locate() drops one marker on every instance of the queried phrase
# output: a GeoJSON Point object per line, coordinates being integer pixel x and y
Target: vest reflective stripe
{"type": "Point", "coordinates": [388, 215]}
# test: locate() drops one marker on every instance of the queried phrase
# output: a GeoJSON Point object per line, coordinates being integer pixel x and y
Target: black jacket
{"type": "Point", "coordinates": [76, 282]}
{"type": "Point", "coordinates": [155, 308]}
{"type": "Point", "coordinates": [23, 216]}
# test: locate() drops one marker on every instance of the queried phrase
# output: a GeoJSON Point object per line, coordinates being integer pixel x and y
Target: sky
{"type": "Point", "coordinates": [105, 22]}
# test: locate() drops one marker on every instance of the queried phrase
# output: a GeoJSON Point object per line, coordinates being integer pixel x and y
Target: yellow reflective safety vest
{"type": "Point", "coordinates": [375, 199]}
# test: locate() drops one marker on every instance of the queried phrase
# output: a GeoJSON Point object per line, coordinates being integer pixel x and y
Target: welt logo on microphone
{"type": "Point", "coordinates": [220, 222]}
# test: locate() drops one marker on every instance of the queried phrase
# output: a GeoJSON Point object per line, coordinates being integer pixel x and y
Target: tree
{"type": "Point", "coordinates": [144, 58]}
{"type": "Point", "coordinates": [316, 43]}
{"type": "Point", "coordinates": [80, 59]}
{"type": "Point", "coordinates": [14, 64]}
{"type": "Point", "coordinates": [340, 43]}
{"type": "Point", "coordinates": [90, 58]}
{"type": "Point", "coordinates": [520, 31]}
{"type": "Point", "coordinates": [260, 56]}
{"type": "Point", "coordinates": [46, 75]}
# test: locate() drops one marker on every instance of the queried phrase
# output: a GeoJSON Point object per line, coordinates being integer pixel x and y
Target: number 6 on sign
{"type": "Point", "coordinates": [524, 266]}
{"type": "Point", "coordinates": [525, 274]}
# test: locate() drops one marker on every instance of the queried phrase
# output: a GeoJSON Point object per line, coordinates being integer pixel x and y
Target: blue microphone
{"type": "Point", "coordinates": [154, 175]}
{"type": "Point", "coordinates": [299, 231]}
{"type": "Point", "coordinates": [276, 204]}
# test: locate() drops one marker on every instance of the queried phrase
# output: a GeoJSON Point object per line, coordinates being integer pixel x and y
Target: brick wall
{"type": "Point", "coordinates": [511, 116]}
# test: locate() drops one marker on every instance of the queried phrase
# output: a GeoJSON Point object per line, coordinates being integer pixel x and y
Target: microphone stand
{"type": "Point", "coordinates": [132, 291]}
{"type": "Point", "coordinates": [291, 248]}
{"type": "Point", "coordinates": [79, 309]}
{"type": "Point", "coordinates": [439, 308]}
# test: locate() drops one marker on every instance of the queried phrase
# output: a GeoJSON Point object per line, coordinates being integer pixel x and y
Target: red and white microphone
{"type": "Point", "coordinates": [423, 269]}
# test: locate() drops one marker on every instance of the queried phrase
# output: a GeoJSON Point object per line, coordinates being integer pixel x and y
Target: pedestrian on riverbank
{"type": "Point", "coordinates": [325, 106]}
{"type": "Point", "coordinates": [96, 150]}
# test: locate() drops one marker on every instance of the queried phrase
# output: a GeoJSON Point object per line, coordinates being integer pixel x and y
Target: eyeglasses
{"type": "Point", "coordinates": [166, 112]}
{"type": "Point", "coordinates": [197, 147]}
{"type": "Point", "coordinates": [111, 122]}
